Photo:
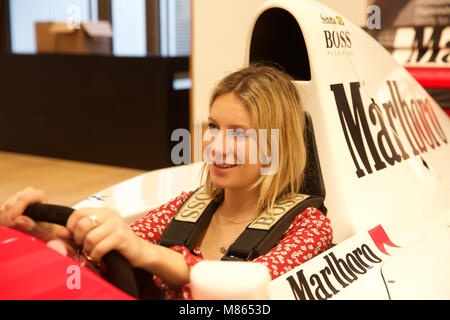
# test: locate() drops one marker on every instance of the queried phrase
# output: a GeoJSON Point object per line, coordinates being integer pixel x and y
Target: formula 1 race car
{"type": "Point", "coordinates": [381, 163]}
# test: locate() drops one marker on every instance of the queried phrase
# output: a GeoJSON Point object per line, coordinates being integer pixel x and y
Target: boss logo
{"type": "Point", "coordinates": [266, 220]}
{"type": "Point", "coordinates": [335, 39]}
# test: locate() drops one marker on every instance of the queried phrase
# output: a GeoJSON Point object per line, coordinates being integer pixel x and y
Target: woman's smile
{"type": "Point", "coordinates": [223, 168]}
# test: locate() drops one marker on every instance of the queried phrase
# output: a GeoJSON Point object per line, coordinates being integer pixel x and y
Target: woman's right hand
{"type": "Point", "coordinates": [11, 212]}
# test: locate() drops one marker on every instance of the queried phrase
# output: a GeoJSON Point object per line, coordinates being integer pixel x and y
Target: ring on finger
{"type": "Point", "coordinates": [94, 220]}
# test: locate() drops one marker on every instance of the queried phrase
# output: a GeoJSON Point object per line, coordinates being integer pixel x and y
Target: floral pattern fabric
{"type": "Point", "coordinates": [308, 235]}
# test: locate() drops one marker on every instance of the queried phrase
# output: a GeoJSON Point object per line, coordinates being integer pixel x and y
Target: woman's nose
{"type": "Point", "coordinates": [222, 147]}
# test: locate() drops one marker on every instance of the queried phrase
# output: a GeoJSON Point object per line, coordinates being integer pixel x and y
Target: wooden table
{"type": "Point", "coordinates": [64, 182]}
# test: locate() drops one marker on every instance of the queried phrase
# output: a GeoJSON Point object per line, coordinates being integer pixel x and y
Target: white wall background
{"type": "Point", "coordinates": [24, 13]}
{"type": "Point", "coordinates": [129, 28]}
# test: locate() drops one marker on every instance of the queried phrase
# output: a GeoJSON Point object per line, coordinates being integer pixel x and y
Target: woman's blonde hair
{"type": "Point", "coordinates": [273, 103]}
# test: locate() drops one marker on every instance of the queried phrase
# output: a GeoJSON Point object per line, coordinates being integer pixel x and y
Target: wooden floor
{"type": "Point", "coordinates": [64, 182]}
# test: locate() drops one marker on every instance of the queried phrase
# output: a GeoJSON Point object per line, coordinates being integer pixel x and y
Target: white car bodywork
{"type": "Point", "coordinates": [406, 136]}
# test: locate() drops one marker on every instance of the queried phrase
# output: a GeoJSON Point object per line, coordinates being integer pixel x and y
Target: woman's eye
{"type": "Point", "coordinates": [239, 133]}
{"type": "Point", "coordinates": [212, 130]}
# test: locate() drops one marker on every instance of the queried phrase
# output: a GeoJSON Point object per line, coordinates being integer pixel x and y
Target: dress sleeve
{"type": "Point", "coordinates": [309, 235]}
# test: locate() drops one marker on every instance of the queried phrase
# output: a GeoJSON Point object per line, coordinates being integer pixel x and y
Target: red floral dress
{"type": "Point", "coordinates": [308, 235]}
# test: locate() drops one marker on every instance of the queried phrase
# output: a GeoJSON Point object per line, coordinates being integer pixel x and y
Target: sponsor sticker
{"type": "Point", "coordinates": [266, 220]}
{"type": "Point", "coordinates": [335, 269]}
{"type": "Point", "coordinates": [404, 123]}
{"type": "Point", "coordinates": [193, 208]}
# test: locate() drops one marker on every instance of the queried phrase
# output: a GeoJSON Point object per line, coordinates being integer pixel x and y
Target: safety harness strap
{"type": "Point", "coordinates": [265, 231]}
{"type": "Point", "coordinates": [190, 221]}
{"type": "Point", "coordinates": [258, 238]}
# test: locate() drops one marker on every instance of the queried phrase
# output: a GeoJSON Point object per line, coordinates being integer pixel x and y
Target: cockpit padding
{"type": "Point", "coordinates": [313, 180]}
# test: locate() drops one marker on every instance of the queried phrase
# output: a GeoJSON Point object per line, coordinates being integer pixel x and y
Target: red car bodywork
{"type": "Point", "coordinates": [432, 78]}
{"type": "Point", "coordinates": [29, 269]}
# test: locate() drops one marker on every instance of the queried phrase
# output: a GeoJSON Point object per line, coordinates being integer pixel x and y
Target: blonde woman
{"type": "Point", "coordinates": [249, 100]}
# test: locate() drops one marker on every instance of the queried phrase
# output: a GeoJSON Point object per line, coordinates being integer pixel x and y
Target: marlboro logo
{"type": "Point", "coordinates": [339, 271]}
{"type": "Point", "coordinates": [412, 122]}
{"type": "Point", "coordinates": [380, 238]}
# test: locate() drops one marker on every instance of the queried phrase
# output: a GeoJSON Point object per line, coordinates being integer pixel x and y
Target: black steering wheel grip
{"type": "Point", "coordinates": [120, 272]}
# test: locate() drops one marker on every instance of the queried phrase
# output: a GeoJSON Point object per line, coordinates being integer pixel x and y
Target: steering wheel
{"type": "Point", "coordinates": [120, 272]}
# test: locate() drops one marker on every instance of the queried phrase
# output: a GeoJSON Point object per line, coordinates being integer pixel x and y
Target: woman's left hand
{"type": "Point", "coordinates": [101, 230]}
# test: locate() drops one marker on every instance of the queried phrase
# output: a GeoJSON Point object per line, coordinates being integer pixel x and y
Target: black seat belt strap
{"type": "Point", "coordinates": [190, 221]}
{"type": "Point", "coordinates": [258, 238]}
{"type": "Point", "coordinates": [265, 231]}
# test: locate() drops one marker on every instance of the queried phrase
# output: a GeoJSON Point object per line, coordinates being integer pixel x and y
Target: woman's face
{"type": "Point", "coordinates": [229, 146]}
